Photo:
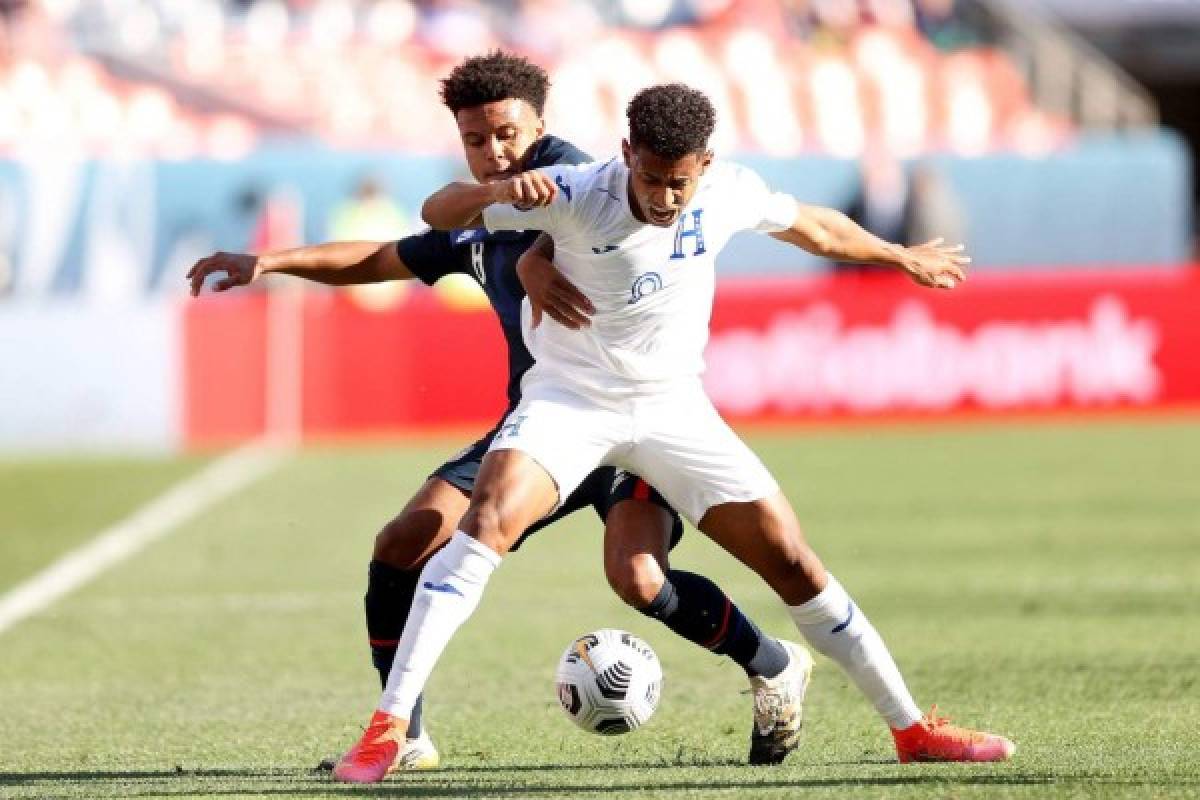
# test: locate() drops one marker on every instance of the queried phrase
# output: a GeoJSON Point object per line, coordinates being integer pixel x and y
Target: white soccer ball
{"type": "Point", "coordinates": [609, 682]}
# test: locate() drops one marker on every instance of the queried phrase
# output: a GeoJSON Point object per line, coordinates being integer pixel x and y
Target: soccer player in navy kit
{"type": "Point", "coordinates": [497, 101]}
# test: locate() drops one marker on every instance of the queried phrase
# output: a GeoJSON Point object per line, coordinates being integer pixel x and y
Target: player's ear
{"type": "Point", "coordinates": [627, 152]}
{"type": "Point", "coordinates": [540, 129]}
{"type": "Point", "coordinates": [706, 161]}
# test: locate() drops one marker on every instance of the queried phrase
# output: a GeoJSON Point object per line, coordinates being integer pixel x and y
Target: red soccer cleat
{"type": "Point", "coordinates": [935, 739]}
{"type": "Point", "coordinates": [374, 756]}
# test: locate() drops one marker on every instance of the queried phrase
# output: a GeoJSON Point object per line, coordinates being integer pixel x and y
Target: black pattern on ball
{"type": "Point", "coordinates": [612, 727]}
{"type": "Point", "coordinates": [614, 681]}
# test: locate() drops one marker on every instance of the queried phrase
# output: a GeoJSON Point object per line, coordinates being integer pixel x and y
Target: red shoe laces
{"type": "Point", "coordinates": [941, 726]}
{"type": "Point", "coordinates": [932, 720]}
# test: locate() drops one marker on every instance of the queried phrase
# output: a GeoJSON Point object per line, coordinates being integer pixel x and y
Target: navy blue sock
{"type": "Point", "coordinates": [695, 608]}
{"type": "Point", "coordinates": [389, 597]}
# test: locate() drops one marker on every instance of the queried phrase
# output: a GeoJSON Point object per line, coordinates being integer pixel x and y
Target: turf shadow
{"type": "Point", "coordinates": [441, 784]}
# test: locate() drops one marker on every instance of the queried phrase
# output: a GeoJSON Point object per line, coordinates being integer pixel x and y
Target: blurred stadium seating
{"type": "Point", "coordinates": [362, 73]}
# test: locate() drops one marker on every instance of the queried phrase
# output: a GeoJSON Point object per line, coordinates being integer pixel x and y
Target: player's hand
{"type": "Point", "coordinates": [527, 190]}
{"type": "Point", "coordinates": [239, 268]}
{"type": "Point", "coordinates": [936, 264]}
{"type": "Point", "coordinates": [551, 293]}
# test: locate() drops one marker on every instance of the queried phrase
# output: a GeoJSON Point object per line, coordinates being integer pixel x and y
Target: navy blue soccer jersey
{"type": "Point", "coordinates": [491, 260]}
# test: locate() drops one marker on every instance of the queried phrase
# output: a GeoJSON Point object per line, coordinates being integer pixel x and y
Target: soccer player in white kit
{"type": "Point", "coordinates": [638, 236]}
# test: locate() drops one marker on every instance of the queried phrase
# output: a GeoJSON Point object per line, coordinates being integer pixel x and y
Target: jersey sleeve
{"type": "Point", "coordinates": [428, 255]}
{"type": "Point", "coordinates": [763, 210]}
{"type": "Point", "coordinates": [550, 218]}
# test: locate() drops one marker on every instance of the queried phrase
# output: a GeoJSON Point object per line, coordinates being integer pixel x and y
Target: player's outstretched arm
{"type": "Point", "coordinates": [333, 263]}
{"type": "Point", "coordinates": [833, 235]}
{"type": "Point", "coordinates": [549, 291]}
{"type": "Point", "coordinates": [460, 205]}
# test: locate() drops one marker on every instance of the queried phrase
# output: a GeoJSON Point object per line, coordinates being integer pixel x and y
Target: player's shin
{"type": "Point", "coordinates": [390, 592]}
{"type": "Point", "coordinates": [449, 590]}
{"type": "Point", "coordinates": [698, 610]}
{"type": "Point", "coordinates": [836, 627]}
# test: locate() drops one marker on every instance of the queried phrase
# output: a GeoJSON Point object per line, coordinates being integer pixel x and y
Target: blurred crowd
{"type": "Point", "coordinates": [214, 77]}
{"type": "Point", "coordinates": [454, 26]}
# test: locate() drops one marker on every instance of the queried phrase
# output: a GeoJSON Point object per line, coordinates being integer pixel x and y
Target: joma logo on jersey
{"type": "Point", "coordinates": [646, 284]}
{"type": "Point", "coordinates": [560, 183]}
{"type": "Point", "coordinates": [684, 230]}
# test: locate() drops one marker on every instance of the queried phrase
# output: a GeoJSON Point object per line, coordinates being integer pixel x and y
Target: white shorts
{"type": "Point", "coordinates": [675, 440]}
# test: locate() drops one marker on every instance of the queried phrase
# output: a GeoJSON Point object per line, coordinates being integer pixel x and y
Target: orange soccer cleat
{"type": "Point", "coordinates": [935, 739]}
{"type": "Point", "coordinates": [374, 756]}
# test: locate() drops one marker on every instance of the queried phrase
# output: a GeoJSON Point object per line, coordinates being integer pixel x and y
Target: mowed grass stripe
{"type": "Point", "coordinates": [1040, 581]}
{"type": "Point", "coordinates": [148, 523]}
{"type": "Point", "coordinates": [49, 505]}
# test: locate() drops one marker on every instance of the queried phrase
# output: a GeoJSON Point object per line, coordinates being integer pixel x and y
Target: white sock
{"type": "Point", "coordinates": [833, 625]}
{"type": "Point", "coordinates": [448, 592]}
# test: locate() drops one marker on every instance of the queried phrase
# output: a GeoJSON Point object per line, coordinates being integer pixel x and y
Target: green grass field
{"type": "Point", "coordinates": [1040, 580]}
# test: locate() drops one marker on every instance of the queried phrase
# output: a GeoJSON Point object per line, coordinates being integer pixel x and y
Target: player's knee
{"type": "Point", "coordinates": [636, 580]}
{"type": "Point", "coordinates": [484, 519]}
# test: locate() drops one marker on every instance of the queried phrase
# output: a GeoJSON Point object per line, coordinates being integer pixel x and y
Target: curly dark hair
{"type": "Point", "coordinates": [496, 76]}
{"type": "Point", "coordinates": [672, 120]}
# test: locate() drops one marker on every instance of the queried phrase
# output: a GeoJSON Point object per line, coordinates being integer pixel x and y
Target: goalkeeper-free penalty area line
{"type": "Point", "coordinates": [224, 477]}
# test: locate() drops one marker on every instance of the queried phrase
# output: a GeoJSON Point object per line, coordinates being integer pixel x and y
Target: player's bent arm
{"type": "Point", "coordinates": [460, 205]}
{"type": "Point", "coordinates": [832, 235]}
{"type": "Point", "coordinates": [333, 263]}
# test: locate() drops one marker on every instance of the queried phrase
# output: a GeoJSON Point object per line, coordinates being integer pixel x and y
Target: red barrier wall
{"type": "Point", "coordinates": [224, 379]}
{"type": "Point", "coordinates": [781, 350]}
{"type": "Point", "coordinates": [414, 366]}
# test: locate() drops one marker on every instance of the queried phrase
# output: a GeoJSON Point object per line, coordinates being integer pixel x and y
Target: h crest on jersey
{"type": "Point", "coordinates": [689, 227]}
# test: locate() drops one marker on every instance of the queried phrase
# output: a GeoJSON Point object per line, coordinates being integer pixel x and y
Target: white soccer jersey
{"type": "Point", "coordinates": [652, 287]}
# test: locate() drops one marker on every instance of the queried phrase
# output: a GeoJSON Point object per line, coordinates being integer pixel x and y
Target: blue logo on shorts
{"type": "Point", "coordinates": [512, 427]}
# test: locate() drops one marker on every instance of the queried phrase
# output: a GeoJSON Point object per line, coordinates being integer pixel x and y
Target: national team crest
{"type": "Point", "coordinates": [693, 230]}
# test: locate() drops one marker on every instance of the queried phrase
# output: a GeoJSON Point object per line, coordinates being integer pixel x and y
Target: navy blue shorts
{"type": "Point", "coordinates": [602, 489]}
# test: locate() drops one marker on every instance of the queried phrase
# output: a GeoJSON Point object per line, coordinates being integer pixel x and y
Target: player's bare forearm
{"type": "Point", "coordinates": [339, 263]}
{"type": "Point", "coordinates": [458, 205]}
{"type": "Point", "coordinates": [832, 235]}
{"type": "Point", "coordinates": [461, 205]}
{"type": "Point", "coordinates": [543, 245]}
{"type": "Point", "coordinates": [335, 263]}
